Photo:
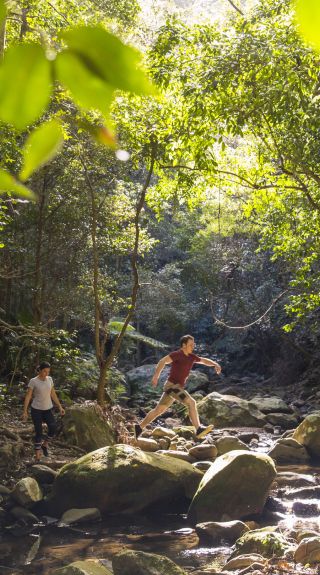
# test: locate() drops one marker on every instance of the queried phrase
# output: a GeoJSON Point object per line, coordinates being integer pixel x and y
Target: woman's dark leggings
{"type": "Point", "coordinates": [40, 416]}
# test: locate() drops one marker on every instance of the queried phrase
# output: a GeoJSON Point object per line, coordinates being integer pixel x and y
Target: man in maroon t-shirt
{"type": "Point", "coordinates": [181, 363]}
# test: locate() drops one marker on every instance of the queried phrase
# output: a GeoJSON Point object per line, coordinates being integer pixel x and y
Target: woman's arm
{"type": "Point", "coordinates": [27, 400]}
{"type": "Point", "coordinates": [56, 400]}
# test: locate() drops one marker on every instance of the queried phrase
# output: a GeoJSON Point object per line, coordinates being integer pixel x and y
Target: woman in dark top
{"type": "Point", "coordinates": [42, 392]}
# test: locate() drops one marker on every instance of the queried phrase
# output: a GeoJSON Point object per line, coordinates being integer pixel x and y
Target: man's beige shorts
{"type": "Point", "coordinates": [174, 392]}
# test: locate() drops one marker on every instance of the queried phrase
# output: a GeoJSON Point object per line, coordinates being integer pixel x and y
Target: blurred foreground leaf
{"type": "Point", "coordinates": [41, 146]}
{"type": "Point", "coordinates": [9, 184]}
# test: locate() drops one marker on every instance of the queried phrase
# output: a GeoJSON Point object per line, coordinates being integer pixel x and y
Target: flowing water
{"type": "Point", "coordinates": [45, 547]}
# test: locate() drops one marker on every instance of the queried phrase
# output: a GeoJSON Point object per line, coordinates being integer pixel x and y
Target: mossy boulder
{"type": "Point", "coordinates": [267, 542]}
{"type": "Point", "coordinates": [235, 486]}
{"type": "Point", "coordinates": [86, 426]}
{"type": "Point", "coordinates": [122, 479]}
{"type": "Point", "coordinates": [140, 563]}
{"type": "Point", "coordinates": [308, 433]}
{"type": "Point", "coordinates": [229, 410]}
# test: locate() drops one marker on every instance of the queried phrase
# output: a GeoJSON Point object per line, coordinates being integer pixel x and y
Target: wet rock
{"type": "Point", "coordinates": [248, 436]}
{"type": "Point", "coordinates": [229, 443]}
{"type": "Point", "coordinates": [122, 479]}
{"type": "Point", "coordinates": [145, 444]}
{"type": "Point", "coordinates": [140, 563]}
{"type": "Point", "coordinates": [271, 404]}
{"type": "Point", "coordinates": [284, 420]}
{"type": "Point", "coordinates": [27, 492]}
{"type": "Point", "coordinates": [229, 410]}
{"type": "Point", "coordinates": [235, 486]}
{"type": "Point", "coordinates": [24, 514]}
{"type": "Point", "coordinates": [178, 454]}
{"type": "Point", "coordinates": [43, 473]}
{"type": "Point", "coordinates": [311, 492]}
{"type": "Point", "coordinates": [202, 465]}
{"type": "Point", "coordinates": [305, 509]}
{"type": "Point", "coordinates": [4, 491]}
{"type": "Point", "coordinates": [87, 567]}
{"type": "Point", "coordinates": [288, 450]}
{"type": "Point", "coordinates": [216, 531]}
{"type": "Point", "coordinates": [308, 551]}
{"type": "Point", "coordinates": [274, 504]}
{"type": "Point", "coordinates": [204, 452]}
{"type": "Point", "coordinates": [85, 426]}
{"type": "Point", "coordinates": [306, 534]}
{"type": "Point", "coordinates": [80, 516]}
{"type": "Point", "coordinates": [246, 560]}
{"type": "Point", "coordinates": [308, 433]}
{"type": "Point", "coordinates": [266, 542]}
{"type": "Point", "coordinates": [292, 479]}
{"type": "Point", "coordinates": [163, 432]}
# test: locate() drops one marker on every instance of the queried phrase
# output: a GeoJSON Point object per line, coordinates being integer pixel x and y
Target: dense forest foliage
{"type": "Point", "coordinates": [201, 215]}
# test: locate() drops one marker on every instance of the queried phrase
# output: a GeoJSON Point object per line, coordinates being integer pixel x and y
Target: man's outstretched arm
{"type": "Point", "coordinates": [164, 361]}
{"type": "Point", "coordinates": [210, 363]}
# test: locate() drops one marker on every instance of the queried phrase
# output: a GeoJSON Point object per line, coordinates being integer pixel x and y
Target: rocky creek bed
{"type": "Point", "coordinates": [243, 500]}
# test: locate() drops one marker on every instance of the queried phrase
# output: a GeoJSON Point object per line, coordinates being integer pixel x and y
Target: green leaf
{"type": "Point", "coordinates": [106, 56]}
{"type": "Point", "coordinates": [25, 85]}
{"type": "Point", "coordinates": [87, 89]}
{"type": "Point", "coordinates": [41, 146]}
{"type": "Point", "coordinates": [308, 17]}
{"type": "Point", "coordinates": [3, 10]}
{"type": "Point", "coordinates": [9, 184]}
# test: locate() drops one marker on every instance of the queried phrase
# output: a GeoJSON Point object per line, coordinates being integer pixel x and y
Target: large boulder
{"type": "Point", "coordinates": [288, 450]}
{"type": "Point", "coordinates": [271, 404]}
{"type": "Point", "coordinates": [86, 426]}
{"type": "Point", "coordinates": [267, 542]}
{"type": "Point", "coordinates": [308, 433]}
{"type": "Point", "coordinates": [235, 486]}
{"type": "Point", "coordinates": [140, 563]}
{"type": "Point", "coordinates": [284, 420]}
{"type": "Point", "coordinates": [122, 479]}
{"type": "Point", "coordinates": [229, 411]}
{"type": "Point", "coordinates": [229, 443]}
{"type": "Point", "coordinates": [308, 551]}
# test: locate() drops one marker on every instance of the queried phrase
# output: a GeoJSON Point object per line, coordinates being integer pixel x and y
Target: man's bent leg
{"type": "Point", "coordinates": [153, 414]}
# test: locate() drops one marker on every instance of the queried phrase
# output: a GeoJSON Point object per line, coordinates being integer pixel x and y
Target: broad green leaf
{"type": "Point", "coordinates": [3, 10]}
{"type": "Point", "coordinates": [41, 146]}
{"type": "Point", "coordinates": [87, 89]}
{"type": "Point", "coordinates": [9, 184]}
{"type": "Point", "coordinates": [308, 16]}
{"type": "Point", "coordinates": [106, 56]}
{"type": "Point", "coordinates": [25, 85]}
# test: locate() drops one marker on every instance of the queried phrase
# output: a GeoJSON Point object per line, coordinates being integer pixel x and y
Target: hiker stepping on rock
{"type": "Point", "coordinates": [181, 362]}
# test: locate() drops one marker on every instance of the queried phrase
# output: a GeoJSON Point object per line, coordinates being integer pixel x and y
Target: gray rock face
{"type": "Point", "coordinates": [235, 486]}
{"type": "Point", "coordinates": [85, 426]}
{"type": "Point", "coordinates": [308, 433]}
{"type": "Point", "coordinates": [140, 563]}
{"type": "Point", "coordinates": [122, 479]}
{"type": "Point", "coordinates": [43, 474]}
{"type": "Point", "coordinates": [284, 420]}
{"type": "Point", "coordinates": [287, 450]}
{"type": "Point", "coordinates": [27, 492]}
{"type": "Point", "coordinates": [230, 410]}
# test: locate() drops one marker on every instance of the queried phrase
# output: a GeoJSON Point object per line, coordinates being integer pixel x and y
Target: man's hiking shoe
{"type": "Point", "coordinates": [45, 450]}
{"type": "Point", "coordinates": [137, 430]}
{"type": "Point", "coordinates": [203, 430]}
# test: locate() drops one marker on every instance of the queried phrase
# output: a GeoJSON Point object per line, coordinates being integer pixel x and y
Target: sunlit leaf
{"type": "Point", "coordinates": [106, 56]}
{"type": "Point", "coordinates": [25, 85]}
{"type": "Point", "coordinates": [308, 16]}
{"type": "Point", "coordinates": [41, 146]}
{"type": "Point", "coordinates": [9, 184]}
{"type": "Point", "coordinates": [87, 89]}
